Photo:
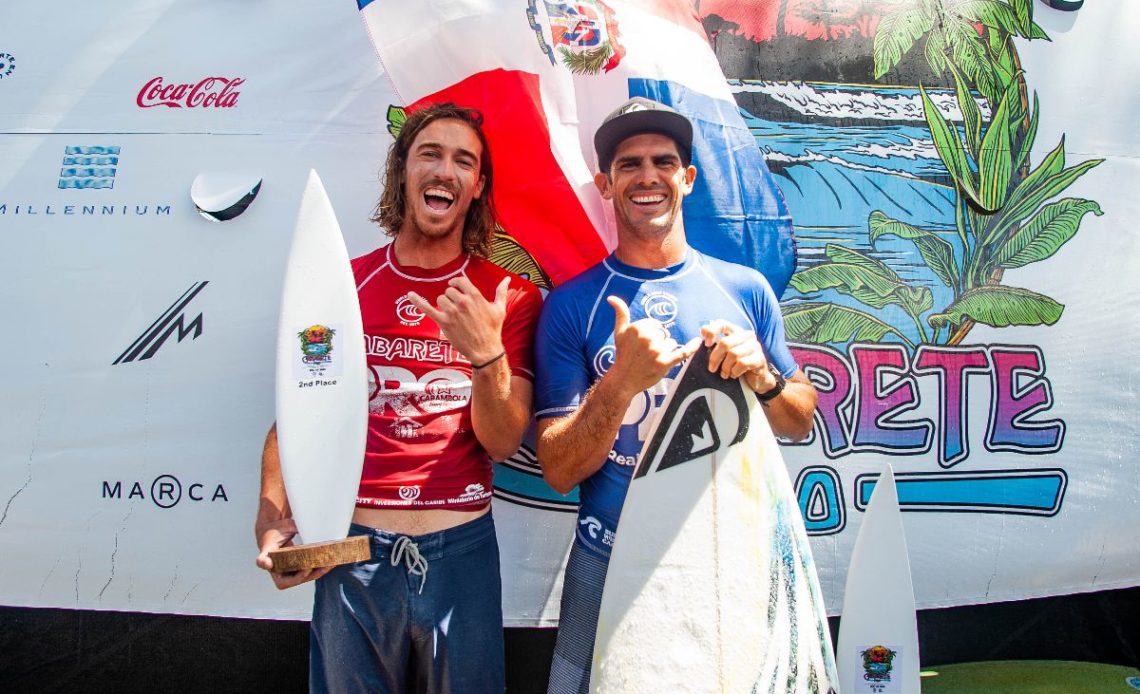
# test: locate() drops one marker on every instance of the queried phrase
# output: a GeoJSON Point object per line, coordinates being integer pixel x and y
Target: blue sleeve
{"type": "Point", "coordinates": [562, 374]}
{"type": "Point", "coordinates": [770, 329]}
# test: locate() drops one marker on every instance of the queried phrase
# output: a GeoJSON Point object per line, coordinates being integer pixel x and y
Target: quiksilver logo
{"type": "Point", "coordinates": [173, 320]}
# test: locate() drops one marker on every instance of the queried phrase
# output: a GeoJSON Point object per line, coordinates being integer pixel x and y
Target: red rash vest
{"type": "Point", "coordinates": [422, 452]}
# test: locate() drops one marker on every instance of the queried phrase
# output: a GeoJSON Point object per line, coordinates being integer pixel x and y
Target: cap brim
{"type": "Point", "coordinates": [668, 123]}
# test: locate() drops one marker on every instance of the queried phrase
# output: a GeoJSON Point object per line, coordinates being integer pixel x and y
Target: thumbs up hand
{"type": "Point", "coordinates": [645, 351]}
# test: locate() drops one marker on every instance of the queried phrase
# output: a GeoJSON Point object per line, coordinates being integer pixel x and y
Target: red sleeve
{"type": "Point", "coordinates": [524, 303]}
{"type": "Point", "coordinates": [366, 264]}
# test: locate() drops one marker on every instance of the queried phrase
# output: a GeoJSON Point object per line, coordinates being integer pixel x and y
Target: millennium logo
{"type": "Point", "coordinates": [89, 167]}
{"type": "Point", "coordinates": [172, 321]}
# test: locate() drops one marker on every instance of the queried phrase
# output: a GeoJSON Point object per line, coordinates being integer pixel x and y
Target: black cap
{"type": "Point", "coordinates": [637, 116]}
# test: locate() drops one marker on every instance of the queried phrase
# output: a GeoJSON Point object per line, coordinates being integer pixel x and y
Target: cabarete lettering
{"type": "Point", "coordinates": [868, 400]}
{"type": "Point", "coordinates": [864, 403]}
{"type": "Point", "coordinates": [391, 349]}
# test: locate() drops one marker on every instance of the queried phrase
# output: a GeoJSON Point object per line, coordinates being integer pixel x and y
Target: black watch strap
{"type": "Point", "coordinates": [776, 389]}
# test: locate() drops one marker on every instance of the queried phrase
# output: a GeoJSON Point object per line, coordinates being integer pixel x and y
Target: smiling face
{"type": "Point", "coordinates": [647, 182]}
{"type": "Point", "coordinates": [442, 178]}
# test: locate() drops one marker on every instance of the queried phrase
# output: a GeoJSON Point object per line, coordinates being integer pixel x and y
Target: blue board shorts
{"type": "Point", "coordinates": [425, 615]}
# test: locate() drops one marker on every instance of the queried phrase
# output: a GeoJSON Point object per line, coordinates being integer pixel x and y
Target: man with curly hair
{"type": "Point", "coordinates": [448, 341]}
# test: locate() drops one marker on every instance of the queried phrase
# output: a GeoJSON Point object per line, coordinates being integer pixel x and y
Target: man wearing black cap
{"type": "Point", "coordinates": [602, 372]}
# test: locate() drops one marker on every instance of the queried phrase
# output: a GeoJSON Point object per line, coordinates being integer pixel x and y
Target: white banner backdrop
{"type": "Point", "coordinates": [130, 483]}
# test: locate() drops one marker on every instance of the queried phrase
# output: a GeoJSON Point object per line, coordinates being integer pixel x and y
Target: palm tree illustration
{"type": "Point", "coordinates": [1007, 211]}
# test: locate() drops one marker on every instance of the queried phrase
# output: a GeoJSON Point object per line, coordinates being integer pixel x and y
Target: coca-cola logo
{"type": "Point", "coordinates": [209, 92]}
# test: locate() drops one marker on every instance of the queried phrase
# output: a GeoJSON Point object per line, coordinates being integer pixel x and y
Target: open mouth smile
{"type": "Point", "coordinates": [438, 199]}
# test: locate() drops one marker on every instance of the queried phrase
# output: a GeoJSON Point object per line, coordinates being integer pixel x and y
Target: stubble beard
{"type": "Point", "coordinates": [647, 229]}
{"type": "Point", "coordinates": [436, 232]}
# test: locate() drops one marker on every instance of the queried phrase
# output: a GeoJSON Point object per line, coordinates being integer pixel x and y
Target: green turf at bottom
{"type": "Point", "coordinates": [1024, 676]}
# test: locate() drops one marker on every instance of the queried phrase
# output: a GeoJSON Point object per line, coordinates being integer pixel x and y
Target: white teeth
{"type": "Point", "coordinates": [440, 193]}
{"type": "Point", "coordinates": [647, 198]}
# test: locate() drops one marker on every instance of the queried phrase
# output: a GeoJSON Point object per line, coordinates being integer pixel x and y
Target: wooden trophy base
{"type": "Point", "coordinates": [332, 553]}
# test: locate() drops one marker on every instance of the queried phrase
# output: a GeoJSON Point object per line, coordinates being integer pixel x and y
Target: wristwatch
{"type": "Point", "coordinates": [776, 389]}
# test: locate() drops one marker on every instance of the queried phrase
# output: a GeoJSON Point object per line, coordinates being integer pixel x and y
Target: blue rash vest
{"type": "Point", "coordinates": [574, 347]}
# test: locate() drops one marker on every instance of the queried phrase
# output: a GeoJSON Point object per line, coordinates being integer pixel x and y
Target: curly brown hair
{"type": "Point", "coordinates": [479, 225]}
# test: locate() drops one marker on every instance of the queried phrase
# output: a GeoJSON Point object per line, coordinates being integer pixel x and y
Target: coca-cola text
{"type": "Point", "coordinates": [209, 92]}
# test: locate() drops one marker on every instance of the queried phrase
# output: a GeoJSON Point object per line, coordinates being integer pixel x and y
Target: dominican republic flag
{"type": "Point", "coordinates": [545, 73]}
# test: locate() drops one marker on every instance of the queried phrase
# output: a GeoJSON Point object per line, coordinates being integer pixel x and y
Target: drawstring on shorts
{"type": "Point", "coordinates": [407, 551]}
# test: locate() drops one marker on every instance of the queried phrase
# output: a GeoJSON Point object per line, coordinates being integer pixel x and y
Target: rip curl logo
{"type": "Point", "coordinates": [592, 525]}
{"type": "Point", "coordinates": [583, 33]}
{"type": "Point", "coordinates": [7, 65]}
{"type": "Point", "coordinates": [410, 493]}
{"type": "Point", "coordinates": [660, 306]}
{"type": "Point", "coordinates": [407, 312]}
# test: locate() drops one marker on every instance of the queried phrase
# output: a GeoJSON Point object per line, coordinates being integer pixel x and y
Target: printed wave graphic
{"type": "Point", "coordinates": [816, 100]}
{"type": "Point", "coordinates": [809, 157]}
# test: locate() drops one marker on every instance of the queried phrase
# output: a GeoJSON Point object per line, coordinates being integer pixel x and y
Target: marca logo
{"type": "Point", "coordinates": [166, 491]}
{"type": "Point", "coordinates": [171, 321]}
{"type": "Point", "coordinates": [89, 167]}
{"type": "Point", "coordinates": [7, 65]}
{"type": "Point", "coordinates": [209, 92]}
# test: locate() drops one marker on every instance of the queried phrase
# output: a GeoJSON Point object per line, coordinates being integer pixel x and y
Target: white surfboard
{"type": "Point", "coordinates": [711, 585]}
{"type": "Point", "coordinates": [322, 384]}
{"type": "Point", "coordinates": [878, 633]}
